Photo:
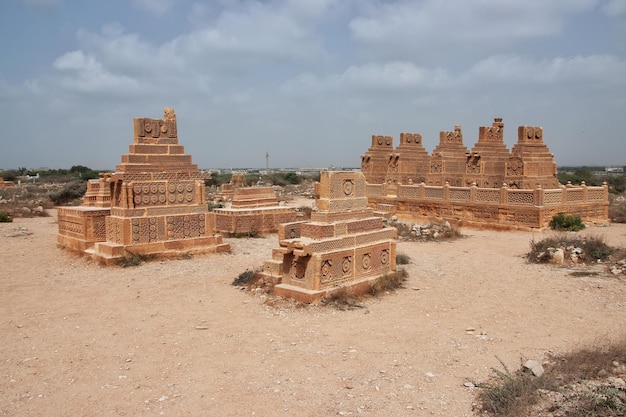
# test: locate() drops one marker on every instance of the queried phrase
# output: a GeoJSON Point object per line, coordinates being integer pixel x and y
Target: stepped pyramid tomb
{"type": "Point", "coordinates": [344, 246]}
{"type": "Point", "coordinates": [484, 186]}
{"type": "Point", "coordinates": [153, 204]}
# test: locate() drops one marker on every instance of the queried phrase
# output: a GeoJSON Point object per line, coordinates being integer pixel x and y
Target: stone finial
{"type": "Point", "coordinates": [168, 114]}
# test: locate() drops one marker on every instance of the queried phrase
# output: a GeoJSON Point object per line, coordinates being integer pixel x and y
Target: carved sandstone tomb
{"type": "Point", "coordinates": [253, 210]}
{"type": "Point", "coordinates": [448, 161]}
{"type": "Point", "coordinates": [531, 163]}
{"type": "Point", "coordinates": [408, 163]}
{"type": "Point", "coordinates": [486, 162]}
{"type": "Point", "coordinates": [375, 162]}
{"type": "Point", "coordinates": [154, 203]}
{"type": "Point", "coordinates": [344, 246]}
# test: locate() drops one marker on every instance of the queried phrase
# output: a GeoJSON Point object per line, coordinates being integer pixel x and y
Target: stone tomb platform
{"type": "Point", "coordinates": [253, 210]}
{"type": "Point", "coordinates": [343, 248]}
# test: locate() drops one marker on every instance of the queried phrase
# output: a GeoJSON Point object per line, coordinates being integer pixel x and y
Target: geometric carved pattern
{"type": "Point", "coordinates": [595, 195]}
{"type": "Point", "coordinates": [327, 270]}
{"type": "Point", "coordinates": [574, 196]}
{"type": "Point", "coordinates": [459, 194]}
{"type": "Point", "coordinates": [433, 192]}
{"type": "Point", "coordinates": [552, 197]}
{"type": "Point", "coordinates": [522, 197]}
{"type": "Point", "coordinates": [488, 196]}
{"type": "Point", "coordinates": [184, 227]}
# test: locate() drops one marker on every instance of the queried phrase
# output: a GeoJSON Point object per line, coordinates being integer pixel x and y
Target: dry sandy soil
{"type": "Point", "coordinates": [174, 338]}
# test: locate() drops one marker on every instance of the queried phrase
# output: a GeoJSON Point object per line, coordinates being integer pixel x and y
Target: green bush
{"type": "Point", "coordinates": [566, 223]}
{"type": "Point", "coordinates": [218, 179]}
{"type": "Point", "coordinates": [5, 218]}
{"type": "Point", "coordinates": [69, 193]}
{"type": "Point", "coordinates": [285, 178]}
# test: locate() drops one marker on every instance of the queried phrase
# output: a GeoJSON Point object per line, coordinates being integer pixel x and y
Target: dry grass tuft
{"type": "Point", "coordinates": [586, 382]}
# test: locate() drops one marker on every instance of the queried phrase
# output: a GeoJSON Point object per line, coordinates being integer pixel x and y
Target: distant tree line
{"type": "Point", "coordinates": [576, 175]}
{"type": "Point", "coordinates": [78, 172]}
{"type": "Point", "coordinates": [277, 178]}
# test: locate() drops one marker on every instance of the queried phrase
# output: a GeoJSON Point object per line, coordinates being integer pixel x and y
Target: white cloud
{"type": "Point", "coordinates": [432, 28]}
{"type": "Point", "coordinates": [83, 73]}
{"type": "Point", "coordinates": [509, 69]}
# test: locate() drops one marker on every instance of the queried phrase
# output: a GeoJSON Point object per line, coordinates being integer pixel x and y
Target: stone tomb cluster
{"type": "Point", "coordinates": [483, 186]}
{"type": "Point", "coordinates": [155, 204]}
{"type": "Point", "coordinates": [488, 164]}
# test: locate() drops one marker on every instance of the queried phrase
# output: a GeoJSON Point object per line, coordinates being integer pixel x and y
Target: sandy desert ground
{"type": "Point", "coordinates": [174, 338]}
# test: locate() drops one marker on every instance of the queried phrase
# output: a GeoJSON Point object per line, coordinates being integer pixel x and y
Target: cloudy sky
{"type": "Point", "coordinates": [308, 81]}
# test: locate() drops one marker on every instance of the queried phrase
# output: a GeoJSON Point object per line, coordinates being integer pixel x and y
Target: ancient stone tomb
{"type": "Point", "coordinates": [344, 246]}
{"type": "Point", "coordinates": [484, 186]}
{"type": "Point", "coordinates": [249, 210]}
{"type": "Point", "coordinates": [153, 204]}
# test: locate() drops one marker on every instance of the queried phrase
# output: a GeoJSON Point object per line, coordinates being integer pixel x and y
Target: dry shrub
{"type": "Point", "coordinates": [509, 394]}
{"type": "Point", "coordinates": [587, 362]}
{"type": "Point", "coordinates": [580, 383]}
{"type": "Point", "coordinates": [593, 248]}
{"type": "Point", "coordinates": [342, 299]}
{"type": "Point", "coordinates": [345, 300]}
{"type": "Point", "coordinates": [402, 259]}
{"type": "Point", "coordinates": [5, 217]}
{"type": "Point", "coordinates": [245, 278]}
{"type": "Point", "coordinates": [389, 282]}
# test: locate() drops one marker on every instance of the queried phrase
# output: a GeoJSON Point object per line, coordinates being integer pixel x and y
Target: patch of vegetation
{"type": "Point", "coordinates": [389, 282]}
{"type": "Point", "coordinates": [245, 278]}
{"type": "Point", "coordinates": [69, 194]}
{"type": "Point", "coordinates": [217, 179]}
{"type": "Point", "coordinates": [584, 274]}
{"type": "Point", "coordinates": [284, 178]}
{"type": "Point", "coordinates": [252, 233]}
{"type": "Point", "coordinates": [213, 206]}
{"type": "Point", "coordinates": [84, 172]}
{"type": "Point", "coordinates": [402, 259]}
{"type": "Point", "coordinates": [509, 394]}
{"type": "Point", "coordinates": [566, 223]}
{"type": "Point", "coordinates": [5, 218]}
{"type": "Point", "coordinates": [584, 249]}
{"type": "Point", "coordinates": [581, 383]}
{"type": "Point", "coordinates": [132, 259]}
{"type": "Point", "coordinates": [343, 299]}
